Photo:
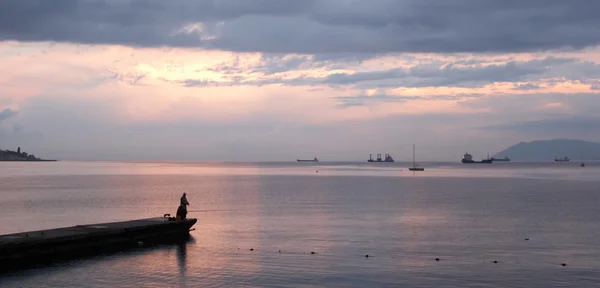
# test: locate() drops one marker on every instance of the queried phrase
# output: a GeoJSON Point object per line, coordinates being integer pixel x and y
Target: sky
{"type": "Point", "coordinates": [277, 80]}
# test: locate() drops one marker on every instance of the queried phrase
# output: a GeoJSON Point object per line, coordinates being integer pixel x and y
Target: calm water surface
{"type": "Point", "coordinates": [466, 215]}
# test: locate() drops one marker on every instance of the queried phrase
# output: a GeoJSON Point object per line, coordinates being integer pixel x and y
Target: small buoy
{"type": "Point", "coordinates": [313, 253]}
{"type": "Point", "coordinates": [251, 249]}
{"type": "Point", "coordinates": [317, 171]}
{"type": "Point", "coordinates": [367, 256]}
{"type": "Point", "coordinates": [526, 239]}
{"type": "Point", "coordinates": [437, 259]}
{"type": "Point", "coordinates": [563, 264]}
{"type": "Point", "coordinates": [279, 251]}
{"type": "Point", "coordinates": [495, 261]}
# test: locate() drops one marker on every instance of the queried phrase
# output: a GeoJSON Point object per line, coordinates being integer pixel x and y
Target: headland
{"type": "Point", "coordinates": [9, 155]}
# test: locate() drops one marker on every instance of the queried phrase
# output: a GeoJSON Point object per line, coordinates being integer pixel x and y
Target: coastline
{"type": "Point", "coordinates": [27, 160]}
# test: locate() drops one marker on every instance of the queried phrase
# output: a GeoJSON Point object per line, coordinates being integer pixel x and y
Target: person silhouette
{"type": "Point", "coordinates": [183, 201]}
{"type": "Point", "coordinates": [182, 210]}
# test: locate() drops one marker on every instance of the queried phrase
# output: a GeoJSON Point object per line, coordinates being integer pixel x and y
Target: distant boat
{"type": "Point", "coordinates": [308, 160]}
{"type": "Point", "coordinates": [415, 168]}
{"type": "Point", "coordinates": [500, 159]}
{"type": "Point", "coordinates": [564, 159]}
{"type": "Point", "coordinates": [388, 158]}
{"type": "Point", "coordinates": [468, 159]}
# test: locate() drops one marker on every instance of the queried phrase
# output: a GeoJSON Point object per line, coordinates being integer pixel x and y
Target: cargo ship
{"type": "Point", "coordinates": [388, 158]}
{"type": "Point", "coordinates": [500, 159]}
{"type": "Point", "coordinates": [564, 159]}
{"type": "Point", "coordinates": [468, 159]}
{"type": "Point", "coordinates": [308, 160]}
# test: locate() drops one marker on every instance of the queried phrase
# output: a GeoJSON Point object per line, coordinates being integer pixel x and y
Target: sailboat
{"type": "Point", "coordinates": [415, 168]}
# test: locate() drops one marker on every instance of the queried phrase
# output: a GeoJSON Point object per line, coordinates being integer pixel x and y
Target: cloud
{"type": "Point", "coordinates": [526, 86]}
{"type": "Point", "coordinates": [421, 75]}
{"type": "Point", "coordinates": [128, 78]}
{"type": "Point", "coordinates": [100, 127]}
{"type": "Point", "coordinates": [7, 114]}
{"type": "Point", "coordinates": [523, 105]}
{"type": "Point", "coordinates": [274, 63]}
{"type": "Point", "coordinates": [309, 26]}
{"type": "Point", "coordinates": [365, 100]}
{"type": "Point", "coordinates": [552, 126]}
{"type": "Point", "coordinates": [69, 134]}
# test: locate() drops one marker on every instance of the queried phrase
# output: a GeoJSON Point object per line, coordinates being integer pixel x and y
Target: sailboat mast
{"type": "Point", "coordinates": [413, 155]}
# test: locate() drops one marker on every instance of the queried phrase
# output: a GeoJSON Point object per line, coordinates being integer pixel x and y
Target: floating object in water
{"type": "Point", "coordinates": [388, 158]}
{"type": "Point", "coordinates": [526, 239]}
{"type": "Point", "coordinates": [313, 253]}
{"type": "Point", "coordinates": [251, 249]}
{"type": "Point", "coordinates": [468, 159]}
{"type": "Point", "coordinates": [367, 256]}
{"type": "Point", "coordinates": [308, 160]}
{"type": "Point", "coordinates": [279, 251]}
{"type": "Point", "coordinates": [495, 261]}
{"type": "Point", "coordinates": [437, 259]}
{"type": "Point", "coordinates": [415, 168]}
{"type": "Point", "coordinates": [563, 264]}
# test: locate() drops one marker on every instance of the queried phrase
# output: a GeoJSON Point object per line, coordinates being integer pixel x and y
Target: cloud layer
{"type": "Point", "coordinates": [309, 26]}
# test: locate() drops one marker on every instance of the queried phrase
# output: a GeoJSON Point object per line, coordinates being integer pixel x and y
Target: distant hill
{"type": "Point", "coordinates": [547, 150]}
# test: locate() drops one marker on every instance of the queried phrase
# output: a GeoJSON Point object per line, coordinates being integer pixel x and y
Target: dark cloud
{"type": "Point", "coordinates": [309, 26]}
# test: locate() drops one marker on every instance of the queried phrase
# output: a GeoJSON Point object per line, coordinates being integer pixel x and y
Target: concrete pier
{"type": "Point", "coordinates": [47, 246]}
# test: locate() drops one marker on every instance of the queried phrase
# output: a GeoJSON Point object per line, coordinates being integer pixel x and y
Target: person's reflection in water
{"type": "Point", "coordinates": [181, 257]}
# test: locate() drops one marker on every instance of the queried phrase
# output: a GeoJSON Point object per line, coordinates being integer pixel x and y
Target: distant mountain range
{"type": "Point", "coordinates": [547, 150]}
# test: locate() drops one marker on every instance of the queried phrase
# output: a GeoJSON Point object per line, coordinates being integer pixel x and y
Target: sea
{"type": "Point", "coordinates": [506, 224]}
